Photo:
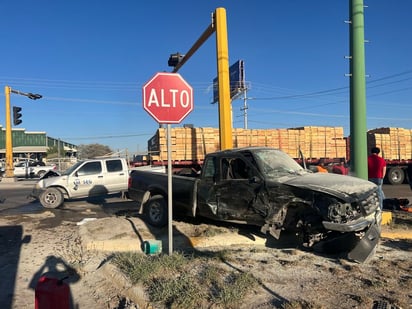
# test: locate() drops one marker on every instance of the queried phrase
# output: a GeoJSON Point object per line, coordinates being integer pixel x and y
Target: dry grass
{"type": "Point", "coordinates": [187, 281]}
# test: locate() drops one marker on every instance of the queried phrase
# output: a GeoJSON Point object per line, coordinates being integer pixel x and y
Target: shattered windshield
{"type": "Point", "coordinates": [274, 161]}
{"type": "Point", "coordinates": [72, 168]}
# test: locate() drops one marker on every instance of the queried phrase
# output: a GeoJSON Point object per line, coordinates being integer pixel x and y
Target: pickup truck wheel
{"type": "Point", "coordinates": [51, 198]}
{"type": "Point", "coordinates": [156, 211]}
{"type": "Point", "coordinates": [40, 174]}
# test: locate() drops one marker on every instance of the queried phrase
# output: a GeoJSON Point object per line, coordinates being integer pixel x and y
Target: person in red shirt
{"type": "Point", "coordinates": [340, 168]}
{"type": "Point", "coordinates": [377, 171]}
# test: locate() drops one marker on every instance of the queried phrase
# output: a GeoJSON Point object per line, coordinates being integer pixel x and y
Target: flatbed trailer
{"type": "Point", "coordinates": [309, 146]}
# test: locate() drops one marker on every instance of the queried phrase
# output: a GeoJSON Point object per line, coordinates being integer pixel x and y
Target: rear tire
{"type": "Point", "coordinates": [156, 211]}
{"type": "Point", "coordinates": [395, 175]}
{"type": "Point", "coordinates": [52, 198]}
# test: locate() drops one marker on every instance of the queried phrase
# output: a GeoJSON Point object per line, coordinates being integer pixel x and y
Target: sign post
{"type": "Point", "coordinates": [168, 98]}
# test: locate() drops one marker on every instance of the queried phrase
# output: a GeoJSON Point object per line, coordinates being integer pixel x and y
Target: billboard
{"type": "Point", "coordinates": [237, 81]}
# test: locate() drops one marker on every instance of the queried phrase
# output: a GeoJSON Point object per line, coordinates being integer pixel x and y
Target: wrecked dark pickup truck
{"type": "Point", "coordinates": [266, 187]}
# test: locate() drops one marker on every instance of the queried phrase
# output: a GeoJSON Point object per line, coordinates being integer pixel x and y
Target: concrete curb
{"type": "Point", "coordinates": [113, 245]}
{"type": "Point", "coordinates": [386, 217]}
{"type": "Point", "coordinates": [117, 234]}
{"type": "Point", "coordinates": [398, 235]}
{"type": "Point", "coordinates": [135, 292]}
{"type": "Point", "coordinates": [226, 239]}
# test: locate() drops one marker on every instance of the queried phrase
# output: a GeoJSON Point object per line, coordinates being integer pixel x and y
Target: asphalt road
{"type": "Point", "coordinates": [398, 191]}
{"type": "Point", "coordinates": [17, 201]}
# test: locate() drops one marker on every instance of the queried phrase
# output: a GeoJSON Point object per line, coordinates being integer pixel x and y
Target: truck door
{"type": "Point", "coordinates": [233, 193]}
{"type": "Point", "coordinates": [87, 180]}
{"type": "Point", "coordinates": [116, 176]}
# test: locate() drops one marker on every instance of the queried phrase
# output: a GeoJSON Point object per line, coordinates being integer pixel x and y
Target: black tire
{"type": "Point", "coordinates": [156, 211]}
{"type": "Point", "coordinates": [52, 198]}
{"type": "Point", "coordinates": [40, 174]}
{"type": "Point", "coordinates": [395, 175]}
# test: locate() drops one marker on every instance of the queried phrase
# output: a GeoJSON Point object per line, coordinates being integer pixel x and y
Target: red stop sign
{"type": "Point", "coordinates": [167, 98]}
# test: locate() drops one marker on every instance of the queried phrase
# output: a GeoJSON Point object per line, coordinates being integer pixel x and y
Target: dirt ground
{"type": "Point", "coordinates": [287, 275]}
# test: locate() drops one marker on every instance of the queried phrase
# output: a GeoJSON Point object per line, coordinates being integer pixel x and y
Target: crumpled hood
{"type": "Point", "coordinates": [345, 187]}
{"type": "Point", "coordinates": [50, 173]}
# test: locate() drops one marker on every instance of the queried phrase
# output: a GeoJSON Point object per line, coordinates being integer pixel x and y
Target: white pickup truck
{"type": "Point", "coordinates": [28, 169]}
{"type": "Point", "coordinates": [88, 178]}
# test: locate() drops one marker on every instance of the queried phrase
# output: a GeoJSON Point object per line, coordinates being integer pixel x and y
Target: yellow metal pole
{"type": "Point", "coordinates": [9, 142]}
{"type": "Point", "coordinates": [222, 53]}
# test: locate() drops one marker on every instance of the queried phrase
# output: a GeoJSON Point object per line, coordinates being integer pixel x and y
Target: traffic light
{"type": "Point", "coordinates": [17, 115]}
{"type": "Point", "coordinates": [34, 96]}
{"type": "Point", "coordinates": [174, 59]}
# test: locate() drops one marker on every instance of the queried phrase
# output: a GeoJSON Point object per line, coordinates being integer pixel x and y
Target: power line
{"type": "Point", "coordinates": [335, 90]}
{"type": "Point", "coordinates": [107, 136]}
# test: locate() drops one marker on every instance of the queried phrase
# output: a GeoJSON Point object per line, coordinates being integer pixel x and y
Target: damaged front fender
{"type": "Point", "coordinates": [326, 223]}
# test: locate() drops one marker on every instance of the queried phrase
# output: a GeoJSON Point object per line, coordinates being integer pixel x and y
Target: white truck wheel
{"type": "Point", "coordinates": [51, 198]}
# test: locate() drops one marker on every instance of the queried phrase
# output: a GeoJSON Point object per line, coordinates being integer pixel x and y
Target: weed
{"type": "Point", "coordinates": [137, 267]}
{"type": "Point", "coordinates": [186, 281]}
{"type": "Point", "coordinates": [234, 289]}
{"type": "Point", "coordinates": [179, 292]}
{"type": "Point", "coordinates": [223, 255]}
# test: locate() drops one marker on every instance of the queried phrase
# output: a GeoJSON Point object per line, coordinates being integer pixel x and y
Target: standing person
{"type": "Point", "coordinates": [377, 171]}
{"type": "Point", "coordinates": [340, 168]}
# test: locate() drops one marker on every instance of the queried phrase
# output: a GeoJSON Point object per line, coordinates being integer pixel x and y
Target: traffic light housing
{"type": "Point", "coordinates": [17, 115]}
{"type": "Point", "coordinates": [174, 59]}
{"type": "Point", "coordinates": [34, 96]}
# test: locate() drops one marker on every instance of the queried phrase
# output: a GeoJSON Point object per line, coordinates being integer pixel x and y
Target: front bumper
{"type": "Point", "coordinates": [366, 247]}
{"type": "Point", "coordinates": [362, 236]}
{"type": "Point", "coordinates": [36, 192]}
{"type": "Point", "coordinates": [356, 225]}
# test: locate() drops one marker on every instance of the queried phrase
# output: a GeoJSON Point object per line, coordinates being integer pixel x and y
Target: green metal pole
{"type": "Point", "coordinates": [358, 138]}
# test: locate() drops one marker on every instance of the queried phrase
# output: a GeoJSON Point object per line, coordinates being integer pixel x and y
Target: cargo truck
{"type": "Point", "coordinates": [326, 145]}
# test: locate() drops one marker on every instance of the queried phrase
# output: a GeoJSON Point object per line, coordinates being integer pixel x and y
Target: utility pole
{"type": "Point", "coordinates": [244, 108]}
{"type": "Point", "coordinates": [358, 137]}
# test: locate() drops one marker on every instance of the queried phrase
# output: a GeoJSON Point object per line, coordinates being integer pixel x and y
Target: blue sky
{"type": "Point", "coordinates": [90, 60]}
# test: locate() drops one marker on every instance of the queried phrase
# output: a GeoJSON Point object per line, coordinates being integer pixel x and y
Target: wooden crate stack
{"type": "Point", "coordinates": [188, 144]}
{"type": "Point", "coordinates": [395, 143]}
{"type": "Point", "coordinates": [192, 144]}
{"type": "Point", "coordinates": [319, 142]}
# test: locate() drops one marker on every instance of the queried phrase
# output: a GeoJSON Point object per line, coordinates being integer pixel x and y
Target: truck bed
{"type": "Point", "coordinates": [184, 187]}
